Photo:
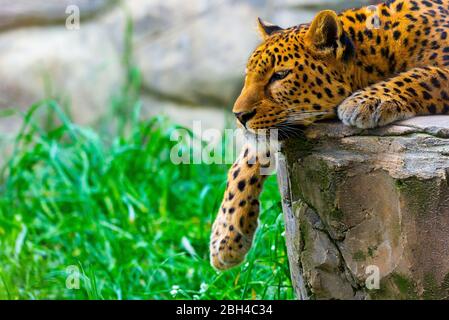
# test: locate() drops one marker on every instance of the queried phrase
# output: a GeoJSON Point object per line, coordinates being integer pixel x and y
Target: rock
{"type": "Point", "coordinates": [17, 13]}
{"type": "Point", "coordinates": [359, 202]}
{"type": "Point", "coordinates": [187, 115]}
{"type": "Point", "coordinates": [321, 259]}
{"type": "Point", "coordinates": [82, 68]}
{"type": "Point", "coordinates": [196, 51]}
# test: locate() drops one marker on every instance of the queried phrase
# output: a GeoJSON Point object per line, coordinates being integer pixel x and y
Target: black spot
{"type": "Point", "coordinates": [412, 91]}
{"type": "Point", "coordinates": [426, 95]}
{"type": "Point", "coordinates": [360, 36]}
{"type": "Point", "coordinates": [424, 85]}
{"type": "Point", "coordinates": [304, 78]}
{"type": "Point", "coordinates": [255, 202]}
{"type": "Point", "coordinates": [369, 33]}
{"type": "Point", "coordinates": [360, 16]}
{"type": "Point", "coordinates": [328, 92]}
{"type": "Point", "coordinates": [241, 185]}
{"type": "Point", "coordinates": [253, 180]}
{"type": "Point", "coordinates": [238, 237]}
{"type": "Point", "coordinates": [241, 221]}
{"type": "Point", "coordinates": [236, 173]}
{"type": "Point", "coordinates": [369, 69]}
{"type": "Point", "coordinates": [350, 19]}
{"type": "Point", "coordinates": [436, 83]}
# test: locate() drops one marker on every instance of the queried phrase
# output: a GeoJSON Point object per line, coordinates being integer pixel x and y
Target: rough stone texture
{"type": "Point", "coordinates": [38, 63]}
{"type": "Point", "coordinates": [354, 199]}
{"type": "Point", "coordinates": [186, 115]}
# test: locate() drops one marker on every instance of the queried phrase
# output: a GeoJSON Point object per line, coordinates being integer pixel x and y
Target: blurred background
{"type": "Point", "coordinates": [191, 54]}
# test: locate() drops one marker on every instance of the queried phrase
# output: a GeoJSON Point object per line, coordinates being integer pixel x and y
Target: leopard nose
{"type": "Point", "coordinates": [244, 117]}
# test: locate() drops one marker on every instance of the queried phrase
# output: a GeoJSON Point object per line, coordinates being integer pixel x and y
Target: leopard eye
{"type": "Point", "coordinates": [279, 75]}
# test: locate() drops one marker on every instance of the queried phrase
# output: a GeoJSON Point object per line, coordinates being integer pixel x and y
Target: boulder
{"type": "Point", "coordinates": [187, 115]}
{"type": "Point", "coordinates": [81, 68]}
{"type": "Point", "coordinates": [367, 211]}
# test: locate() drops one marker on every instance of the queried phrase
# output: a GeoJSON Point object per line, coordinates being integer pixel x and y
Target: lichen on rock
{"type": "Point", "coordinates": [369, 199]}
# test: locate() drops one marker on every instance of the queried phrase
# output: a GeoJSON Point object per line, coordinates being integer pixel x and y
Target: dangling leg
{"type": "Point", "coordinates": [237, 220]}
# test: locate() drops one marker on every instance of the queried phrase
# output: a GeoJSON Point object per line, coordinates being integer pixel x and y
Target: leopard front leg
{"type": "Point", "coordinates": [237, 220]}
{"type": "Point", "coordinates": [419, 91]}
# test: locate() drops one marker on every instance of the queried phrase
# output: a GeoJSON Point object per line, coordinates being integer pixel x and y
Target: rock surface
{"type": "Point", "coordinates": [37, 63]}
{"type": "Point", "coordinates": [357, 202]}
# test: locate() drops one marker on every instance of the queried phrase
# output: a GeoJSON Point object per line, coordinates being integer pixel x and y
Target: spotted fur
{"type": "Point", "coordinates": [368, 67]}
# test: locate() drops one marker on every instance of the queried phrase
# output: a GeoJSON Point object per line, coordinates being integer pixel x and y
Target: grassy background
{"type": "Point", "coordinates": [113, 204]}
{"type": "Point", "coordinates": [109, 201]}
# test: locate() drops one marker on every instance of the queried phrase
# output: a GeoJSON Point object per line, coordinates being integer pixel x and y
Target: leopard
{"type": "Point", "coordinates": [368, 67]}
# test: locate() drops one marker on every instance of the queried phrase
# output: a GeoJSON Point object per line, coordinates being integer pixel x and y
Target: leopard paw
{"type": "Point", "coordinates": [236, 223]}
{"type": "Point", "coordinates": [232, 235]}
{"type": "Point", "coordinates": [367, 112]}
{"type": "Point", "coordinates": [229, 250]}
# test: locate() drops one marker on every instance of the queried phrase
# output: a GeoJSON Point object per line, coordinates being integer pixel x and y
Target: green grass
{"type": "Point", "coordinates": [113, 205]}
{"type": "Point", "coordinates": [108, 201]}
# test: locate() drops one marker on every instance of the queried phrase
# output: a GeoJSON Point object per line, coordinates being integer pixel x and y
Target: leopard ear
{"type": "Point", "coordinates": [266, 29]}
{"type": "Point", "coordinates": [326, 34]}
{"type": "Point", "coordinates": [325, 29]}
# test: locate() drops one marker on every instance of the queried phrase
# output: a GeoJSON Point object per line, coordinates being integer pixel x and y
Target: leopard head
{"type": "Point", "coordinates": [296, 76]}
